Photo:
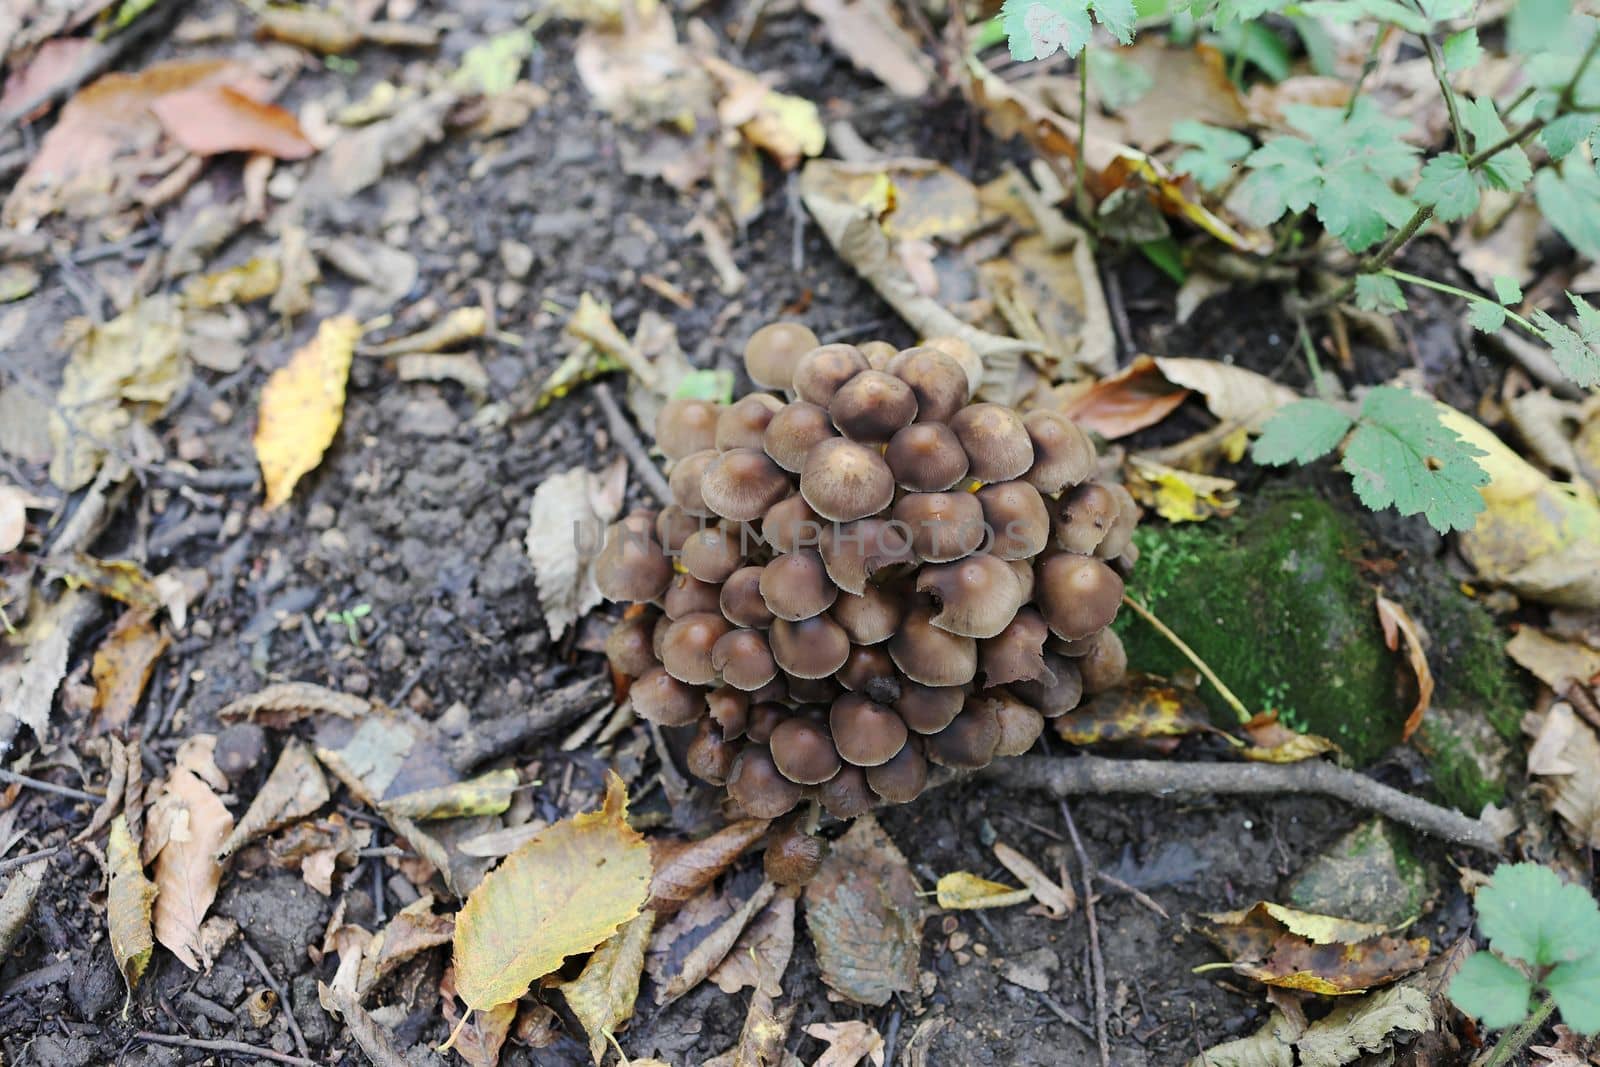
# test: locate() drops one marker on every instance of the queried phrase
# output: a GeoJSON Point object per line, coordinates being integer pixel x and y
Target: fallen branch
{"type": "Point", "coordinates": [631, 446]}
{"type": "Point", "coordinates": [237, 1048]}
{"type": "Point", "coordinates": [493, 737]}
{"type": "Point", "coordinates": [1086, 775]}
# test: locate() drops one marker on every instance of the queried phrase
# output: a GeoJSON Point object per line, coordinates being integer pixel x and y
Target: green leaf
{"type": "Point", "coordinates": [1576, 987]}
{"type": "Point", "coordinates": [1353, 11]}
{"type": "Point", "coordinates": [1449, 186]}
{"type": "Point", "coordinates": [1215, 153]}
{"type": "Point", "coordinates": [1118, 81]}
{"type": "Point", "coordinates": [1566, 133]}
{"type": "Point", "coordinates": [1492, 990]}
{"type": "Point", "coordinates": [1359, 207]}
{"type": "Point", "coordinates": [1537, 25]}
{"type": "Point", "coordinates": [1569, 199]}
{"type": "Point", "coordinates": [1379, 292]}
{"type": "Point", "coordinates": [1036, 29]}
{"type": "Point", "coordinates": [495, 65]}
{"type": "Point", "coordinates": [1461, 50]}
{"type": "Point", "coordinates": [1528, 913]}
{"type": "Point", "coordinates": [1402, 456]}
{"type": "Point", "coordinates": [1118, 16]}
{"type": "Point", "coordinates": [1509, 168]}
{"type": "Point", "coordinates": [1577, 352]}
{"type": "Point", "coordinates": [1286, 175]}
{"type": "Point", "coordinates": [1301, 432]}
{"type": "Point", "coordinates": [1506, 289]}
{"type": "Point", "coordinates": [1486, 315]}
{"type": "Point", "coordinates": [715, 385]}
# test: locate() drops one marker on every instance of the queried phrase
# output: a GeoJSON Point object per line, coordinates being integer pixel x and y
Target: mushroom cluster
{"type": "Point", "coordinates": [863, 573]}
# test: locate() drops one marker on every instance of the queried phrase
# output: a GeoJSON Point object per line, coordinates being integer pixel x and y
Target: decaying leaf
{"type": "Point", "coordinates": [760, 957]}
{"type": "Point", "coordinates": [786, 127]}
{"type": "Point", "coordinates": [1057, 900]}
{"type": "Point", "coordinates": [295, 789]}
{"type": "Point", "coordinates": [116, 757]}
{"type": "Point", "coordinates": [122, 667]}
{"type": "Point", "coordinates": [16, 903]}
{"type": "Point", "coordinates": [865, 916]}
{"type": "Point", "coordinates": [251, 280]}
{"type": "Point", "coordinates": [704, 957]}
{"type": "Point", "coordinates": [1134, 714]}
{"type": "Point", "coordinates": [963, 890]}
{"type": "Point", "coordinates": [562, 893]}
{"type": "Point", "coordinates": [120, 579]}
{"type": "Point", "coordinates": [214, 118]}
{"type": "Point", "coordinates": [13, 517]}
{"type": "Point", "coordinates": [128, 905]}
{"type": "Point", "coordinates": [566, 523]}
{"type": "Point", "coordinates": [28, 681]}
{"type": "Point", "coordinates": [302, 405]}
{"type": "Point", "coordinates": [602, 997]}
{"type": "Point", "coordinates": [1180, 495]}
{"type": "Point", "coordinates": [413, 930]}
{"type": "Point", "coordinates": [1130, 400]}
{"type": "Point", "coordinates": [286, 703]}
{"type": "Point", "coordinates": [761, 1041]}
{"type": "Point", "coordinates": [1273, 742]}
{"type": "Point", "coordinates": [487, 794]}
{"type": "Point", "coordinates": [1554, 662]}
{"type": "Point", "coordinates": [683, 869]}
{"type": "Point", "coordinates": [186, 867]}
{"type": "Point", "coordinates": [1397, 622]}
{"type": "Point", "coordinates": [1291, 949]}
{"type": "Point", "coordinates": [1354, 1029]}
{"type": "Point", "coordinates": [848, 1043]}
{"type": "Point", "coordinates": [455, 329]}
{"type": "Point", "coordinates": [1565, 759]}
{"type": "Point", "coordinates": [871, 37]}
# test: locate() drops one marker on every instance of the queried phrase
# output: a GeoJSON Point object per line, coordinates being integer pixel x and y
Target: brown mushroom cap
{"type": "Point", "coordinates": [793, 432]}
{"type": "Point", "coordinates": [709, 756]}
{"type": "Point", "coordinates": [774, 692]}
{"type": "Point", "coordinates": [846, 795]}
{"type": "Point", "coordinates": [865, 732]}
{"type": "Point", "coordinates": [925, 653]}
{"type": "Point", "coordinates": [1085, 514]}
{"type": "Point", "coordinates": [872, 406]}
{"type": "Point", "coordinates": [1077, 595]}
{"type": "Point", "coordinates": [631, 564]}
{"type": "Point", "coordinates": [674, 526]}
{"type": "Point", "coordinates": [803, 751]}
{"type": "Point", "coordinates": [821, 372]}
{"type": "Point", "coordinates": [743, 423]}
{"type": "Point", "coordinates": [742, 484]}
{"type": "Point", "coordinates": [926, 457]}
{"type": "Point", "coordinates": [963, 353]}
{"type": "Point", "coordinates": [943, 526]}
{"type": "Point", "coordinates": [936, 379]}
{"type": "Point", "coordinates": [968, 743]}
{"type": "Point", "coordinates": [762, 719]}
{"type": "Point", "coordinates": [1120, 536]}
{"type": "Point", "coordinates": [729, 708]}
{"type": "Point", "coordinates": [686, 425]}
{"type": "Point", "coordinates": [813, 690]}
{"type": "Point", "coordinates": [686, 649]}
{"type": "Point", "coordinates": [791, 525]}
{"type": "Point", "coordinates": [869, 670]}
{"type": "Point", "coordinates": [1020, 725]}
{"type": "Point", "coordinates": [713, 554]}
{"type": "Point", "coordinates": [793, 857]}
{"type": "Point", "coordinates": [688, 595]}
{"type": "Point", "coordinates": [977, 596]}
{"type": "Point", "coordinates": [929, 709]}
{"type": "Point", "coordinates": [844, 481]}
{"type": "Point", "coordinates": [1018, 520]}
{"type": "Point", "coordinates": [879, 353]}
{"type": "Point", "coordinates": [1106, 665]}
{"type": "Point", "coordinates": [869, 617]}
{"type": "Point", "coordinates": [629, 648]}
{"type": "Point", "coordinates": [658, 634]}
{"type": "Point", "coordinates": [796, 586]}
{"type": "Point", "coordinates": [1063, 454]}
{"type": "Point", "coordinates": [995, 440]}
{"type": "Point", "coordinates": [757, 786]}
{"type": "Point", "coordinates": [741, 599]}
{"type": "Point", "coordinates": [901, 779]}
{"type": "Point", "coordinates": [743, 659]}
{"type": "Point", "coordinates": [660, 698]}
{"type": "Point", "coordinates": [686, 478]}
{"type": "Point", "coordinates": [1016, 654]}
{"type": "Point", "coordinates": [772, 352]}
{"type": "Point", "coordinates": [810, 648]}
{"type": "Point", "coordinates": [854, 552]}
{"type": "Point", "coordinates": [1053, 698]}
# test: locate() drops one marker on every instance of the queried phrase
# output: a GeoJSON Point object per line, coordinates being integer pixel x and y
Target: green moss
{"type": "Point", "coordinates": [1467, 758]}
{"type": "Point", "coordinates": [1467, 653]}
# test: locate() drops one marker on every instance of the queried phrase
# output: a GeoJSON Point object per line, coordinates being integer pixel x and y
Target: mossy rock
{"type": "Point", "coordinates": [1370, 875]}
{"type": "Point", "coordinates": [1273, 600]}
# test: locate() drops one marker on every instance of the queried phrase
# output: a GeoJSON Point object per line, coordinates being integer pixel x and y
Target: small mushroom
{"type": "Point", "coordinates": [1017, 518]}
{"type": "Point", "coordinates": [869, 670]}
{"type": "Point", "coordinates": [710, 757]}
{"type": "Point", "coordinates": [1063, 454]}
{"type": "Point", "coordinates": [685, 425]}
{"type": "Point", "coordinates": [995, 440]}
{"type": "Point", "coordinates": [762, 719]}
{"type": "Point", "coordinates": [872, 406]}
{"type": "Point", "coordinates": [926, 457]}
{"type": "Point", "coordinates": [742, 483]}
{"type": "Point", "coordinates": [821, 372]}
{"type": "Point", "coordinates": [1023, 569]}
{"type": "Point", "coordinates": [977, 596]}
{"type": "Point", "coordinates": [686, 649]}
{"type": "Point", "coordinates": [774, 692]}
{"type": "Point", "coordinates": [757, 786]}
{"type": "Point", "coordinates": [813, 690]}
{"type": "Point", "coordinates": [662, 699]}
{"type": "Point", "coordinates": [629, 648]}
{"type": "Point", "coordinates": [772, 352]}
{"type": "Point", "coordinates": [879, 353]}
{"type": "Point", "coordinates": [937, 380]}
{"type": "Point", "coordinates": [741, 599]}
{"type": "Point", "coordinates": [730, 709]}
{"type": "Point", "coordinates": [793, 856]}
{"type": "Point", "coordinates": [796, 586]}
{"type": "Point", "coordinates": [685, 480]}
{"type": "Point", "coordinates": [1016, 654]}
{"type": "Point", "coordinates": [870, 616]}
{"type": "Point", "coordinates": [844, 481]}
{"type": "Point", "coordinates": [1077, 595]}
{"type": "Point", "coordinates": [688, 595]}
{"type": "Point", "coordinates": [901, 779]}
{"type": "Point", "coordinates": [674, 526]}
{"type": "Point", "coordinates": [1120, 536]}
{"type": "Point", "coordinates": [969, 742]}
{"type": "Point", "coordinates": [865, 732]}
{"type": "Point", "coordinates": [927, 654]}
{"type": "Point", "coordinates": [963, 353]}
{"type": "Point", "coordinates": [1020, 725]}
{"type": "Point", "coordinates": [631, 564]}
{"type": "Point", "coordinates": [810, 648]}
{"type": "Point", "coordinates": [791, 525]}
{"type": "Point", "coordinates": [929, 709]}
{"type": "Point", "coordinates": [1085, 514]}
{"type": "Point", "coordinates": [793, 432]}
{"type": "Point", "coordinates": [855, 552]}
{"type": "Point", "coordinates": [713, 554]}
{"type": "Point", "coordinates": [943, 526]}
{"type": "Point", "coordinates": [846, 794]}
{"type": "Point", "coordinates": [1055, 698]}
{"type": "Point", "coordinates": [1106, 665]}
{"type": "Point", "coordinates": [803, 751]}
{"type": "Point", "coordinates": [743, 659]}
{"type": "Point", "coordinates": [743, 423]}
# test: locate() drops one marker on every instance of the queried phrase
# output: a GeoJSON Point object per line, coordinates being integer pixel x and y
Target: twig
{"type": "Point", "coordinates": [283, 994]}
{"type": "Point", "coordinates": [50, 787]}
{"type": "Point", "coordinates": [1137, 894]}
{"type": "Point", "coordinates": [631, 446]}
{"type": "Point", "coordinates": [27, 857]}
{"type": "Point", "coordinates": [1191, 655]}
{"type": "Point", "coordinates": [1119, 311]}
{"type": "Point", "coordinates": [1079, 775]}
{"type": "Point", "coordinates": [1065, 1016]}
{"type": "Point", "coordinates": [1096, 960]}
{"type": "Point", "coordinates": [238, 1048]}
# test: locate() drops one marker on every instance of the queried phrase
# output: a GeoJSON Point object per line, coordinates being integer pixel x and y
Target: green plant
{"type": "Point", "coordinates": [350, 618]}
{"type": "Point", "coordinates": [1544, 954]}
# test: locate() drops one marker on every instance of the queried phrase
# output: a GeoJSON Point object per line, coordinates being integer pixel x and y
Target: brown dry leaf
{"type": "Point", "coordinates": [848, 1043]}
{"type": "Point", "coordinates": [766, 1028]}
{"type": "Point", "coordinates": [1565, 758]}
{"type": "Point", "coordinates": [1291, 949]}
{"type": "Point", "coordinates": [487, 794]}
{"type": "Point", "coordinates": [865, 917]}
{"type": "Point", "coordinates": [684, 868]}
{"type": "Point", "coordinates": [16, 903]}
{"type": "Point", "coordinates": [760, 957]}
{"type": "Point", "coordinates": [714, 948]}
{"type": "Point", "coordinates": [119, 579]}
{"type": "Point", "coordinates": [602, 997]}
{"type": "Point", "coordinates": [55, 64]}
{"type": "Point", "coordinates": [870, 35]}
{"type": "Point", "coordinates": [1273, 742]}
{"type": "Point", "coordinates": [1057, 900]}
{"type": "Point", "coordinates": [286, 703]}
{"type": "Point", "coordinates": [297, 272]}
{"type": "Point", "coordinates": [116, 758]}
{"type": "Point", "coordinates": [211, 119]}
{"type": "Point", "coordinates": [562, 893]}
{"type": "Point", "coordinates": [128, 904]}
{"type": "Point", "coordinates": [1554, 662]}
{"type": "Point", "coordinates": [1187, 83]}
{"type": "Point", "coordinates": [295, 789]}
{"type": "Point", "coordinates": [28, 681]}
{"type": "Point", "coordinates": [566, 520]}
{"type": "Point", "coordinates": [963, 890]}
{"type": "Point", "coordinates": [187, 871]}
{"type": "Point", "coordinates": [1234, 394]}
{"type": "Point", "coordinates": [1396, 622]}
{"type": "Point", "coordinates": [374, 1040]}
{"type": "Point", "coordinates": [302, 405]}
{"type": "Point", "coordinates": [1134, 714]}
{"type": "Point", "coordinates": [1130, 400]}
{"type": "Point", "coordinates": [413, 930]}
{"type": "Point", "coordinates": [454, 330]}
{"type": "Point", "coordinates": [122, 667]}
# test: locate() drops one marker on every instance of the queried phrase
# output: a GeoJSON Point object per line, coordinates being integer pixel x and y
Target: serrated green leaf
{"type": "Point", "coordinates": [1537, 25]}
{"type": "Point", "coordinates": [1449, 186]}
{"type": "Point", "coordinates": [1353, 11]}
{"type": "Point", "coordinates": [1528, 913]}
{"type": "Point", "coordinates": [1215, 153]}
{"type": "Point", "coordinates": [1379, 292]}
{"type": "Point", "coordinates": [1566, 133]}
{"type": "Point", "coordinates": [1509, 168]}
{"type": "Point", "coordinates": [1402, 456]}
{"type": "Point", "coordinates": [1359, 207]}
{"type": "Point", "coordinates": [1486, 316]}
{"type": "Point", "coordinates": [1492, 990]}
{"type": "Point", "coordinates": [1577, 352]}
{"type": "Point", "coordinates": [1301, 432]}
{"type": "Point", "coordinates": [1461, 50]}
{"type": "Point", "coordinates": [1576, 987]}
{"type": "Point", "coordinates": [1569, 199]}
{"type": "Point", "coordinates": [1119, 81]}
{"type": "Point", "coordinates": [1506, 289]}
{"type": "Point", "coordinates": [1118, 16]}
{"type": "Point", "coordinates": [1036, 29]}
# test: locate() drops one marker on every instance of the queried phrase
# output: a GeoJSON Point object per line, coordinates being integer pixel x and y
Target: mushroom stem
{"type": "Point", "coordinates": [1191, 655]}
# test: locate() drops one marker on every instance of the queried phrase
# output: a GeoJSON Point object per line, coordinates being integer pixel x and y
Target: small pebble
{"type": "Point", "coordinates": [239, 749]}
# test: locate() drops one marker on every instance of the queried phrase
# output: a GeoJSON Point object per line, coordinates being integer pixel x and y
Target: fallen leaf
{"type": "Point", "coordinates": [562, 893]}
{"type": "Point", "coordinates": [211, 119]}
{"type": "Point", "coordinates": [186, 867]}
{"type": "Point", "coordinates": [1554, 662]}
{"type": "Point", "coordinates": [128, 907]}
{"type": "Point", "coordinates": [28, 681]}
{"type": "Point", "coordinates": [1057, 900]}
{"type": "Point", "coordinates": [302, 405]}
{"type": "Point", "coordinates": [704, 957]}
{"type": "Point", "coordinates": [359, 158]}
{"type": "Point", "coordinates": [413, 930]}
{"type": "Point", "coordinates": [1273, 742]}
{"type": "Point", "coordinates": [865, 917]}
{"type": "Point", "coordinates": [1188, 83]}
{"type": "Point", "coordinates": [848, 1043]}
{"type": "Point", "coordinates": [455, 329]}
{"type": "Point", "coordinates": [295, 789]}
{"type": "Point", "coordinates": [13, 518]}
{"type": "Point", "coordinates": [1134, 714]}
{"type": "Point", "coordinates": [761, 955]}
{"type": "Point", "coordinates": [786, 127]}
{"type": "Point", "coordinates": [252, 280]}
{"type": "Point", "coordinates": [297, 272]}
{"type": "Point", "coordinates": [286, 703]}
{"type": "Point", "coordinates": [1397, 622]}
{"type": "Point", "coordinates": [870, 35]}
{"type": "Point", "coordinates": [1291, 949]}
{"type": "Point", "coordinates": [962, 890]}
{"type": "Point", "coordinates": [462, 368]}
{"type": "Point", "coordinates": [56, 63]}
{"type": "Point", "coordinates": [566, 522]}
{"type": "Point", "coordinates": [1179, 495]}
{"type": "Point", "coordinates": [1234, 394]}
{"type": "Point", "coordinates": [1373, 1024]}
{"type": "Point", "coordinates": [761, 1040]}
{"type": "Point", "coordinates": [16, 903]}
{"type": "Point", "coordinates": [683, 869]}
{"type": "Point", "coordinates": [1134, 398]}
{"type": "Point", "coordinates": [119, 579]}
{"type": "Point", "coordinates": [1565, 759]}
{"type": "Point", "coordinates": [116, 784]}
{"type": "Point", "coordinates": [375, 1042]}
{"type": "Point", "coordinates": [602, 997]}
{"type": "Point", "coordinates": [487, 794]}
{"type": "Point", "coordinates": [122, 667]}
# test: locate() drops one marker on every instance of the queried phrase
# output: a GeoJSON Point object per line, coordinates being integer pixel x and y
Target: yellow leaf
{"type": "Point", "coordinates": [562, 893]}
{"type": "Point", "coordinates": [122, 667]}
{"type": "Point", "coordinates": [128, 905]}
{"type": "Point", "coordinates": [119, 579]}
{"type": "Point", "coordinates": [964, 890]}
{"type": "Point", "coordinates": [1180, 495]}
{"type": "Point", "coordinates": [487, 794]}
{"type": "Point", "coordinates": [302, 406]}
{"type": "Point", "coordinates": [236, 285]}
{"type": "Point", "coordinates": [602, 996]}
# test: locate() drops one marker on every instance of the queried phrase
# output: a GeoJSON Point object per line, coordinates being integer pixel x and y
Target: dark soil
{"type": "Point", "coordinates": [421, 515]}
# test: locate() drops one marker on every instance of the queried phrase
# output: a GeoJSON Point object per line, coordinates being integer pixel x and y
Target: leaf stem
{"type": "Point", "coordinates": [1191, 655]}
{"type": "Point", "coordinates": [1512, 1041]}
{"type": "Point", "coordinates": [1441, 287]}
{"type": "Point", "coordinates": [1437, 63]}
{"type": "Point", "coordinates": [1080, 193]}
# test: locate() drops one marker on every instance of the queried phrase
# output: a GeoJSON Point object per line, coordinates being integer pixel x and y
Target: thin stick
{"type": "Point", "coordinates": [1191, 655]}
{"type": "Point", "coordinates": [1096, 775]}
{"type": "Point", "coordinates": [283, 995]}
{"type": "Point", "coordinates": [630, 444]}
{"type": "Point", "coordinates": [26, 858]}
{"type": "Point", "coordinates": [50, 787]}
{"type": "Point", "coordinates": [1096, 961]}
{"type": "Point", "coordinates": [238, 1048]}
{"type": "Point", "coordinates": [1137, 894]}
